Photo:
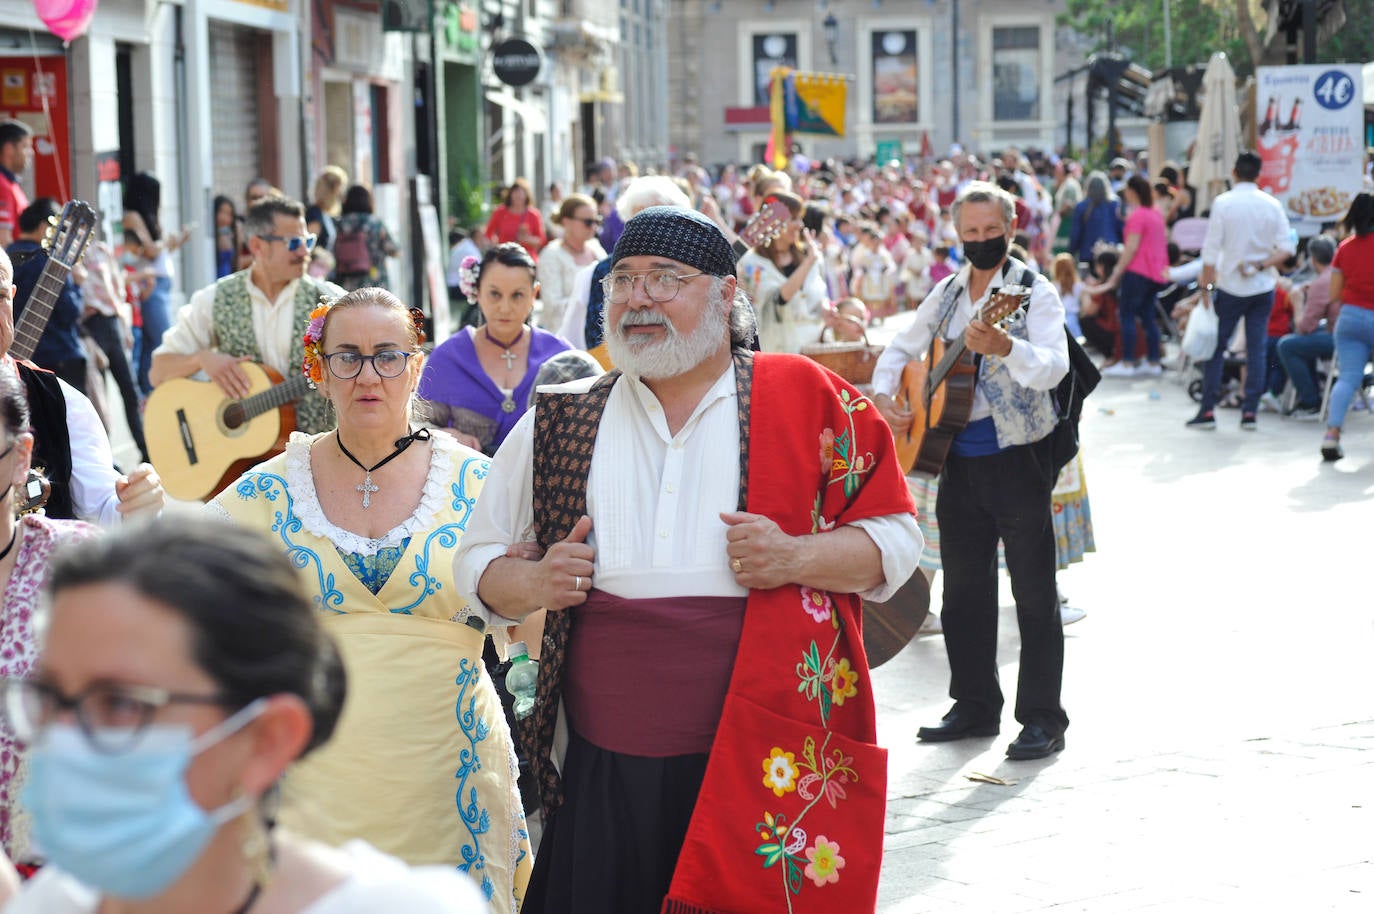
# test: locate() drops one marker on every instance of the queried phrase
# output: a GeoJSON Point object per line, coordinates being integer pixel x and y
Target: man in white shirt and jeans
{"type": "Point", "coordinates": [1247, 235]}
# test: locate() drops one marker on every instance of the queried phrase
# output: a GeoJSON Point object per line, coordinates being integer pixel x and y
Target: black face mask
{"type": "Point", "coordinates": [985, 255]}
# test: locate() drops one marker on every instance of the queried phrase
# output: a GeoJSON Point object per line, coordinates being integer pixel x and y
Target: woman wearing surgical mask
{"type": "Point", "coordinates": [182, 671]}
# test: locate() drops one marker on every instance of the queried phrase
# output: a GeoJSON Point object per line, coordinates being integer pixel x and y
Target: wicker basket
{"type": "Point", "coordinates": [852, 361]}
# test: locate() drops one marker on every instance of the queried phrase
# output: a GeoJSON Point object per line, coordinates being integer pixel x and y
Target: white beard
{"type": "Point", "coordinates": [669, 357]}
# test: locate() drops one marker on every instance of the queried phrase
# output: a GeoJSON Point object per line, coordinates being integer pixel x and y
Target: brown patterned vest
{"type": "Point", "coordinates": [565, 428]}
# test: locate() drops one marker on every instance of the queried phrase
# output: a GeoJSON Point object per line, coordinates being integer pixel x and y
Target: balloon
{"type": "Point", "coordinates": [67, 19]}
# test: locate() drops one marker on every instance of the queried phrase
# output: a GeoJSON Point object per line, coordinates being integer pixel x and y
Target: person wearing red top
{"type": "Point", "coordinates": [1280, 325]}
{"type": "Point", "coordinates": [515, 220]}
{"type": "Point", "coordinates": [16, 152]}
{"type": "Point", "coordinates": [1352, 284]}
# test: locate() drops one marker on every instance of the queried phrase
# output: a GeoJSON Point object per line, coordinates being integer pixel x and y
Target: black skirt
{"type": "Point", "coordinates": [612, 846]}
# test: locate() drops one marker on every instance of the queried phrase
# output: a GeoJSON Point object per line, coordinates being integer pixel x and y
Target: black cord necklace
{"type": "Point", "coordinates": [367, 488]}
{"type": "Point", "coordinates": [250, 900]}
{"type": "Point", "coordinates": [13, 536]}
{"type": "Point", "coordinates": [508, 356]}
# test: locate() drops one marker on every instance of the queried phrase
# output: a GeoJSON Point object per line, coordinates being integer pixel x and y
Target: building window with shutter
{"type": "Point", "coordinates": [1015, 72]}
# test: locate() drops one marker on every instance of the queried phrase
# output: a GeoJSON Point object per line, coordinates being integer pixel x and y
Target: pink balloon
{"type": "Point", "coordinates": [67, 19]}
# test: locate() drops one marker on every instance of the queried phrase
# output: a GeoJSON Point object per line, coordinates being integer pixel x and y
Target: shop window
{"type": "Point", "coordinates": [769, 51]}
{"type": "Point", "coordinates": [895, 80]}
{"type": "Point", "coordinates": [1015, 69]}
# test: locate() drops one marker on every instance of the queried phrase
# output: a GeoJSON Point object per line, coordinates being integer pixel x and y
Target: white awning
{"type": "Point", "coordinates": [533, 115]}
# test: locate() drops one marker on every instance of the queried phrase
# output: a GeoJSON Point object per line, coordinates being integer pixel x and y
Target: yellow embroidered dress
{"type": "Point", "coordinates": [421, 764]}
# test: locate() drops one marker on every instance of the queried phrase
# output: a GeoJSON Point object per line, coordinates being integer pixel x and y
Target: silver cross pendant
{"type": "Point", "coordinates": [367, 488]}
{"type": "Point", "coordinates": [509, 358]}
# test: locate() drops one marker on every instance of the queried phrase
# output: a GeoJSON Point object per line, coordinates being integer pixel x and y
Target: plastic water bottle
{"type": "Point", "coordinates": [521, 678]}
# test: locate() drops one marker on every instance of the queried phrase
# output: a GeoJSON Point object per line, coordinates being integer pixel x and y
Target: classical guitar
{"type": "Point", "coordinates": [938, 390]}
{"type": "Point", "coordinates": [65, 241]}
{"type": "Point", "coordinates": [201, 441]}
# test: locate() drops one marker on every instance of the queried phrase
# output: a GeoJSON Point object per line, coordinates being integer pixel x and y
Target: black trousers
{"type": "Point", "coordinates": [983, 499]}
{"type": "Point", "coordinates": [105, 330]}
{"type": "Point", "coordinates": [612, 846]}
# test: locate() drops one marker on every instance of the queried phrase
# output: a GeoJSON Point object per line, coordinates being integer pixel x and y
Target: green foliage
{"type": "Point", "coordinates": [471, 201]}
{"type": "Point", "coordinates": [1199, 29]}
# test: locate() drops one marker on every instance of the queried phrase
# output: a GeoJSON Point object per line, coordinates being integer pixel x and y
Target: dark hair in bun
{"type": "Point", "coordinates": [254, 631]}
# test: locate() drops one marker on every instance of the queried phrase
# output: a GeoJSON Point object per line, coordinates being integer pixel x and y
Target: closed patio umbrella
{"type": "Point", "coordinates": [1218, 133]}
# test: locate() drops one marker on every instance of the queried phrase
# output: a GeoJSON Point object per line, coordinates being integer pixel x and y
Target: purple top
{"type": "Point", "coordinates": [649, 677]}
{"type": "Point", "coordinates": [453, 375]}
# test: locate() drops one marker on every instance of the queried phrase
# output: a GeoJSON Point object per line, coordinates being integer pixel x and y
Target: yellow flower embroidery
{"type": "Point", "coordinates": [780, 771]}
{"type": "Point", "coordinates": [845, 683]}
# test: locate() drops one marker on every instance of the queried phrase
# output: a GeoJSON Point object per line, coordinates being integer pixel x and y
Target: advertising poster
{"type": "Point", "coordinates": [34, 90]}
{"type": "Point", "coordinates": [895, 95]}
{"type": "Point", "coordinates": [1311, 140]}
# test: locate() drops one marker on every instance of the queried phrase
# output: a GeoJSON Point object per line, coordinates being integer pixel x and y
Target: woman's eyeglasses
{"type": "Point", "coordinates": [589, 223]}
{"type": "Point", "coordinates": [111, 716]}
{"type": "Point", "coordinates": [389, 363]}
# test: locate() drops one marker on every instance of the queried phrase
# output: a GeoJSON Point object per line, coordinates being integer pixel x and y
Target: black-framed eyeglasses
{"type": "Point", "coordinates": [659, 285]}
{"type": "Point", "coordinates": [589, 223]}
{"type": "Point", "coordinates": [111, 716]}
{"type": "Point", "coordinates": [347, 365]}
{"type": "Point", "coordinates": [294, 242]}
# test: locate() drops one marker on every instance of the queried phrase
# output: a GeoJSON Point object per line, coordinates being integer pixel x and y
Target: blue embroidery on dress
{"type": "Point", "coordinates": [373, 571]}
{"type": "Point", "coordinates": [285, 523]}
{"type": "Point", "coordinates": [446, 536]}
{"type": "Point", "coordinates": [474, 817]}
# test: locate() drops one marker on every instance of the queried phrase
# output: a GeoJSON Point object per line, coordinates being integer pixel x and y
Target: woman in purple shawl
{"type": "Point", "coordinates": [478, 382]}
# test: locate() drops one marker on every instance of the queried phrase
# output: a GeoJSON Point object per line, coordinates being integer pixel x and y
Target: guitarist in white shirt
{"type": "Point", "coordinates": [996, 482]}
{"type": "Point", "coordinates": [96, 491]}
{"type": "Point", "coordinates": [277, 289]}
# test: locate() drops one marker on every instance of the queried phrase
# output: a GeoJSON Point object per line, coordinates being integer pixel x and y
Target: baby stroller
{"type": "Point", "coordinates": [1232, 386]}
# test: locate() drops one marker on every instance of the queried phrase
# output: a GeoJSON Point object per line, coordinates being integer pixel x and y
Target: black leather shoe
{"type": "Point", "coordinates": [1034, 742]}
{"type": "Point", "coordinates": [958, 725]}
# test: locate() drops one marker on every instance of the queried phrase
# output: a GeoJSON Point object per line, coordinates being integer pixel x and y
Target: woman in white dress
{"type": "Point", "coordinates": [563, 258]}
{"type": "Point", "coordinates": [786, 281]}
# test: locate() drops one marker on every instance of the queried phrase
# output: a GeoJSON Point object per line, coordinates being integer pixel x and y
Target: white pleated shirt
{"type": "Point", "coordinates": [655, 501]}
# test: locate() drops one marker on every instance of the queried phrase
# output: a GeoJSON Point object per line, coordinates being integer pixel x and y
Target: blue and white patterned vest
{"type": "Point", "coordinates": [1020, 415]}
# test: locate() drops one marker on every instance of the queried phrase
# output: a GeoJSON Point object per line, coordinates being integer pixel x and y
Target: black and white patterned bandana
{"type": "Point", "coordinates": [678, 234]}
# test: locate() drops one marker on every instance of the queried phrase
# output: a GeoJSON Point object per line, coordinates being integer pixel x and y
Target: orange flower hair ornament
{"type": "Point", "coordinates": [312, 361]}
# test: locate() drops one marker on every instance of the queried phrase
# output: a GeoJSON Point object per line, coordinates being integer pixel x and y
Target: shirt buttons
{"type": "Point", "coordinates": [670, 489]}
{"type": "Point", "coordinates": [663, 534]}
{"type": "Point", "coordinates": [652, 407]}
{"type": "Point", "coordinates": [677, 445]}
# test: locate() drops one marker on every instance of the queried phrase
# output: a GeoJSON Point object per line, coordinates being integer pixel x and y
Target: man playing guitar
{"type": "Point", "coordinates": [257, 314]}
{"type": "Point", "coordinates": [997, 480]}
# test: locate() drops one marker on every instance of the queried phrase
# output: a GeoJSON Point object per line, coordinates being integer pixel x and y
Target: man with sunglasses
{"type": "Point", "coordinates": [701, 560]}
{"type": "Point", "coordinates": [254, 315]}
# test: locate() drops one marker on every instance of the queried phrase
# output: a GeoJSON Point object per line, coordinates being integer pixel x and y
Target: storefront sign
{"type": "Point", "coordinates": [34, 90]}
{"type": "Point", "coordinates": [516, 61]}
{"type": "Point", "coordinates": [1311, 140]}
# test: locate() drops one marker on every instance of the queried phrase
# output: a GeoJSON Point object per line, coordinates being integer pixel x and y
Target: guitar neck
{"type": "Point", "coordinates": [38, 309]}
{"type": "Point", "coordinates": [275, 397]}
{"type": "Point", "coordinates": [951, 356]}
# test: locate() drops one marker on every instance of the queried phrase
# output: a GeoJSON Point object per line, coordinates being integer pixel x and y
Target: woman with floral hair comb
{"type": "Point", "coordinates": [372, 512]}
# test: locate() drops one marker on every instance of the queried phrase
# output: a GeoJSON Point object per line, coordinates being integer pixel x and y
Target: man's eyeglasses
{"type": "Point", "coordinates": [659, 285]}
{"type": "Point", "coordinates": [111, 716]}
{"type": "Point", "coordinates": [389, 363]}
{"type": "Point", "coordinates": [293, 242]}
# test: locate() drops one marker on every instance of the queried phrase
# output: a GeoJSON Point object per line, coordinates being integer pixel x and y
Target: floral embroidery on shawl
{"type": "Point", "coordinates": [475, 817]}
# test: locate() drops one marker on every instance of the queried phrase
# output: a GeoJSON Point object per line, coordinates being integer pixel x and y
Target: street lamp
{"type": "Point", "coordinates": [831, 25]}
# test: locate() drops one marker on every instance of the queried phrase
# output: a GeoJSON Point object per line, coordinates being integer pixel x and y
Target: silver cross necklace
{"type": "Point", "coordinates": [367, 487]}
{"type": "Point", "coordinates": [508, 402]}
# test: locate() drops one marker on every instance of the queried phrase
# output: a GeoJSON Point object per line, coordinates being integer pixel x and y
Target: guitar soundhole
{"type": "Point", "coordinates": [234, 416]}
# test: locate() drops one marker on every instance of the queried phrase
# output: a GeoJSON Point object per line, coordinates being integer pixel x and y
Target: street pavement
{"type": "Point", "coordinates": [1221, 751]}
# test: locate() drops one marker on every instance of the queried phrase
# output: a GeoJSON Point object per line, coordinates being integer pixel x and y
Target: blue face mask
{"type": "Point", "coordinates": [125, 824]}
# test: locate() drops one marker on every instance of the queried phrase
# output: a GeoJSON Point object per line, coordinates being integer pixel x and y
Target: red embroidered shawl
{"type": "Point", "coordinates": [790, 815]}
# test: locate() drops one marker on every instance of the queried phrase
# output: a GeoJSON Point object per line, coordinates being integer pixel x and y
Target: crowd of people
{"type": "Point", "coordinates": [293, 699]}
